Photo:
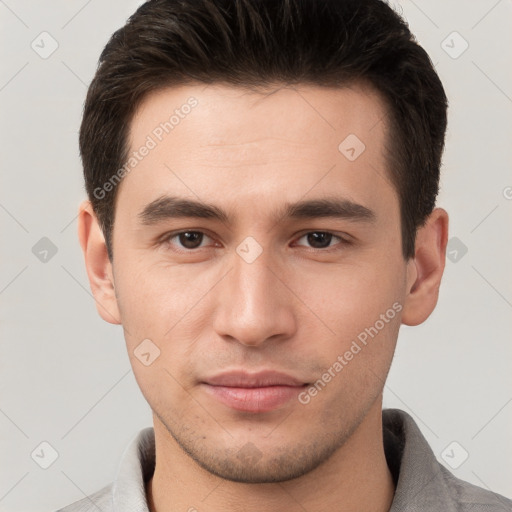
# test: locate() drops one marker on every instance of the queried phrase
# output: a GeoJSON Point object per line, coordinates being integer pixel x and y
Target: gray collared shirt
{"type": "Point", "coordinates": [422, 483]}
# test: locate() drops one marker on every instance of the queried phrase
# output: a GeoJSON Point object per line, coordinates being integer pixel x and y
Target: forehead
{"type": "Point", "coordinates": [222, 113]}
{"type": "Point", "coordinates": [206, 140]}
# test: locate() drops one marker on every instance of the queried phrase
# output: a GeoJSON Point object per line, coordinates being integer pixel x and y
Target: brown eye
{"type": "Point", "coordinates": [320, 239]}
{"type": "Point", "coordinates": [186, 240]}
{"type": "Point", "coordinates": [190, 239]}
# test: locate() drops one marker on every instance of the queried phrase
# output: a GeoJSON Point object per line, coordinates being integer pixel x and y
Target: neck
{"type": "Point", "coordinates": [356, 475]}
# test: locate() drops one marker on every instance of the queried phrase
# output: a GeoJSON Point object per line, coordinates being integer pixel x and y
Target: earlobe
{"type": "Point", "coordinates": [426, 269]}
{"type": "Point", "coordinates": [97, 262]}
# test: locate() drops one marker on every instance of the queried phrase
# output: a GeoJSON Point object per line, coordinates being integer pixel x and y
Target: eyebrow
{"type": "Point", "coordinates": [168, 207]}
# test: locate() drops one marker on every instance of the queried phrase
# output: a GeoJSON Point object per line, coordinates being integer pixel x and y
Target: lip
{"type": "Point", "coordinates": [258, 392]}
{"type": "Point", "coordinates": [243, 379]}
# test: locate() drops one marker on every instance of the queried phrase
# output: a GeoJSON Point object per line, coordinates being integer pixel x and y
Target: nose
{"type": "Point", "coordinates": [254, 305]}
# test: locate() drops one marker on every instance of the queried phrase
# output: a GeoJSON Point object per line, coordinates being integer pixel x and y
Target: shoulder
{"type": "Point", "coordinates": [100, 500]}
{"type": "Point", "coordinates": [422, 482]}
{"type": "Point", "coordinates": [471, 498]}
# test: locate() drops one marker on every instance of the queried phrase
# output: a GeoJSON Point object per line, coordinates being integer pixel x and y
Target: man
{"type": "Point", "coordinates": [262, 178]}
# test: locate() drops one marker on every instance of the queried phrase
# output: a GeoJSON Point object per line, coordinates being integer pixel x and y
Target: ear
{"type": "Point", "coordinates": [97, 263]}
{"type": "Point", "coordinates": [425, 270]}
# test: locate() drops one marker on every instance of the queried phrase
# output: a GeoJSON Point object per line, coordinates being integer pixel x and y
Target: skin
{"type": "Point", "coordinates": [294, 309]}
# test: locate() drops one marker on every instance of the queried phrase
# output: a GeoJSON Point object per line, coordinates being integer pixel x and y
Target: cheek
{"type": "Point", "coordinates": [154, 298]}
{"type": "Point", "coordinates": [162, 315]}
{"type": "Point", "coordinates": [355, 322]}
{"type": "Point", "coordinates": [356, 356]}
{"type": "Point", "coordinates": [349, 298]}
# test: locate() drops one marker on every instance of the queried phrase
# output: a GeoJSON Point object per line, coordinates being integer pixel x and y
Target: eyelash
{"type": "Point", "coordinates": [341, 241]}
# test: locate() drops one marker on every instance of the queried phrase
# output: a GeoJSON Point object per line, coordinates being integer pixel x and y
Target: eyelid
{"type": "Point", "coordinates": [165, 239]}
{"type": "Point", "coordinates": [344, 239]}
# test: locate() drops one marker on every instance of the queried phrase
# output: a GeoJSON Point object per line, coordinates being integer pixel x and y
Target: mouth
{"type": "Point", "coordinates": [253, 392]}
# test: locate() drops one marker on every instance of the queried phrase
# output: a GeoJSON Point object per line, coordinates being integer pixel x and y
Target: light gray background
{"type": "Point", "coordinates": [65, 377]}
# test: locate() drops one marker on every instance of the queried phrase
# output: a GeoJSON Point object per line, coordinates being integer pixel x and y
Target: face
{"type": "Point", "coordinates": [269, 311]}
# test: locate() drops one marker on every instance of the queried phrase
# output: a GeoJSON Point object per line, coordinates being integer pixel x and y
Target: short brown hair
{"type": "Point", "coordinates": [254, 43]}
